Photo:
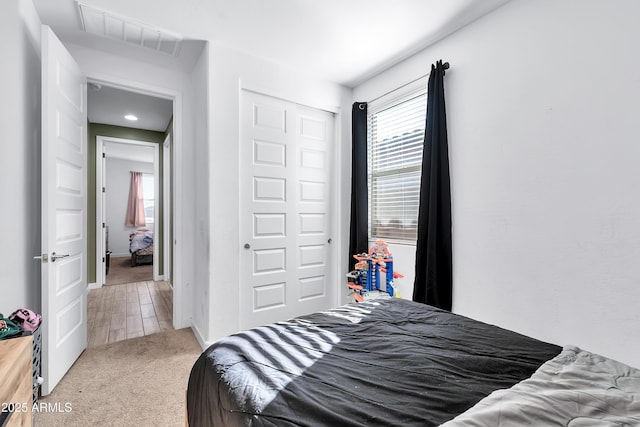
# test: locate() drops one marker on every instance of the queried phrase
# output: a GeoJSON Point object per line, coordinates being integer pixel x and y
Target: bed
{"type": "Point", "coordinates": [393, 362]}
{"type": "Point", "coordinates": [141, 247]}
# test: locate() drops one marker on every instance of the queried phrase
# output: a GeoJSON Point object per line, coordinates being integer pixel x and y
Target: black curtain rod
{"type": "Point", "coordinates": [444, 65]}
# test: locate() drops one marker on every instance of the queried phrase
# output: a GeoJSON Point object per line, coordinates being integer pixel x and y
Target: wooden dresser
{"type": "Point", "coordinates": [16, 381]}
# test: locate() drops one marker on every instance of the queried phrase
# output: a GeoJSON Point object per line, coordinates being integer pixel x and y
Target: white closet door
{"type": "Point", "coordinates": [285, 177]}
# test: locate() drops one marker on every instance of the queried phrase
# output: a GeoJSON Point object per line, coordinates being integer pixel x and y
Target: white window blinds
{"type": "Point", "coordinates": [395, 139]}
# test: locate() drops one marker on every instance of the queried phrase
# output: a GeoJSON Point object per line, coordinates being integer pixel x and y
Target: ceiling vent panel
{"type": "Point", "coordinates": [113, 27]}
{"type": "Point", "coordinates": [108, 24]}
{"type": "Point", "coordinates": [133, 33]}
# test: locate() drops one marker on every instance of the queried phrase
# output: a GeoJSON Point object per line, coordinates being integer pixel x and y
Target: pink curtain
{"type": "Point", "coordinates": [135, 208]}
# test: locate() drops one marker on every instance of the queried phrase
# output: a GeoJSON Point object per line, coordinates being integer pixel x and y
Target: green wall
{"type": "Point", "coordinates": [96, 130]}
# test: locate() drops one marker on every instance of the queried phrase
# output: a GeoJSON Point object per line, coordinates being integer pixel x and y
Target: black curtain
{"type": "Point", "coordinates": [433, 282]}
{"type": "Point", "coordinates": [358, 239]}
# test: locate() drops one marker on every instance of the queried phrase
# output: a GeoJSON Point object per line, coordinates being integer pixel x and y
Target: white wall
{"type": "Point", "coordinates": [542, 105]}
{"type": "Point", "coordinates": [101, 65]}
{"type": "Point", "coordinates": [230, 71]}
{"type": "Point", "coordinates": [118, 182]}
{"type": "Point", "coordinates": [200, 210]}
{"type": "Point", "coordinates": [19, 157]}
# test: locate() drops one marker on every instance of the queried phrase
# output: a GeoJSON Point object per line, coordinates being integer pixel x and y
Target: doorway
{"type": "Point", "coordinates": [129, 251]}
{"type": "Point", "coordinates": [65, 284]}
{"type": "Point", "coordinates": [132, 294]}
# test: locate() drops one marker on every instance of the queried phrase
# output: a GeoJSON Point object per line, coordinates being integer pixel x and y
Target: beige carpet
{"type": "Point", "coordinates": [120, 271]}
{"type": "Point", "coordinates": [138, 382]}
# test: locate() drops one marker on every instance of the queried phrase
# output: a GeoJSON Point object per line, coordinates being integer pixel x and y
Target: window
{"type": "Point", "coordinates": [395, 139]}
{"type": "Point", "coordinates": [148, 192]}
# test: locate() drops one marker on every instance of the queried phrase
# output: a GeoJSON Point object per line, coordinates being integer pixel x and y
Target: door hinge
{"type": "Point", "coordinates": [104, 259]}
{"type": "Point", "coordinates": [104, 189]}
{"type": "Point", "coordinates": [103, 225]}
{"type": "Point", "coordinates": [104, 156]}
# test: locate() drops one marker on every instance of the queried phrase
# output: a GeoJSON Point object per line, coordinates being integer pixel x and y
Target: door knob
{"type": "Point", "coordinates": [54, 257]}
{"type": "Point", "coordinates": [43, 257]}
{"type": "Point", "coordinates": [247, 246]}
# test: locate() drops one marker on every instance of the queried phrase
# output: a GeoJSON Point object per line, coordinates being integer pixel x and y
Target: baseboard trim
{"type": "Point", "coordinates": [120, 255]}
{"type": "Point", "coordinates": [203, 343]}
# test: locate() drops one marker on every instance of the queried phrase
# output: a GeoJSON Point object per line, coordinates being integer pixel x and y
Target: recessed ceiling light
{"type": "Point", "coordinates": [131, 117]}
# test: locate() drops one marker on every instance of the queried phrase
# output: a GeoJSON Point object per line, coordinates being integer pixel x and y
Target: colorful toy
{"type": "Point", "coordinates": [365, 280]}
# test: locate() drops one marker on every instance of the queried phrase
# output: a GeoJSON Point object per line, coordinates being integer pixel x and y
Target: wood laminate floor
{"type": "Point", "coordinates": [130, 310]}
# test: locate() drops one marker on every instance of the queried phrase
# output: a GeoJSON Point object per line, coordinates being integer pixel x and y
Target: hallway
{"type": "Point", "coordinates": [120, 312]}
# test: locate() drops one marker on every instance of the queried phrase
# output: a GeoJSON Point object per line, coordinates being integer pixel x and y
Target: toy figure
{"type": "Point", "coordinates": [364, 281]}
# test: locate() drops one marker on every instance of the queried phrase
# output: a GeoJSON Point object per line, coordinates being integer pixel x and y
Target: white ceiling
{"type": "Point", "coordinates": [109, 105]}
{"type": "Point", "coordinates": [342, 41]}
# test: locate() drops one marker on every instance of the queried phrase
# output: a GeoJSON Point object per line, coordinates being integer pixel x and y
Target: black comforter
{"type": "Point", "coordinates": [384, 362]}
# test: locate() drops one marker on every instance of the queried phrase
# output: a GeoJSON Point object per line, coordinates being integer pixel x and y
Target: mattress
{"type": "Point", "coordinates": [381, 362]}
{"type": "Point", "coordinates": [140, 240]}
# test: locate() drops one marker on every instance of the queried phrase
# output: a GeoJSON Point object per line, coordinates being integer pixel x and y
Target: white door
{"type": "Point", "coordinates": [166, 208]}
{"type": "Point", "coordinates": [64, 204]}
{"type": "Point", "coordinates": [101, 222]}
{"type": "Point", "coordinates": [285, 200]}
